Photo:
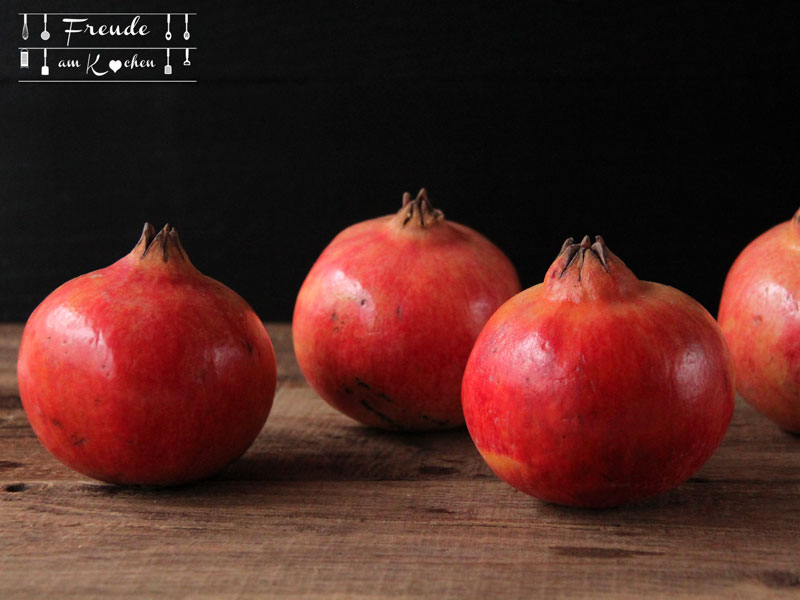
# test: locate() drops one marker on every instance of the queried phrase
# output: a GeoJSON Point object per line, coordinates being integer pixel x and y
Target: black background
{"type": "Point", "coordinates": [670, 129]}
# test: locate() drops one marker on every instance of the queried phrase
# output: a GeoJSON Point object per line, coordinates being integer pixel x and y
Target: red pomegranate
{"type": "Point", "coordinates": [596, 389]}
{"type": "Point", "coordinates": [760, 317]}
{"type": "Point", "coordinates": [147, 371]}
{"type": "Point", "coordinates": [386, 318]}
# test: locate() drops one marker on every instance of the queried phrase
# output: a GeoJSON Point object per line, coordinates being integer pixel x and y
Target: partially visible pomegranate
{"type": "Point", "coordinates": [760, 317]}
{"type": "Point", "coordinates": [597, 389]}
{"type": "Point", "coordinates": [147, 371]}
{"type": "Point", "coordinates": [385, 320]}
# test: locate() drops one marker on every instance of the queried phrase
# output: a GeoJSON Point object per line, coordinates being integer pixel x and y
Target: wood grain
{"type": "Point", "coordinates": [322, 508]}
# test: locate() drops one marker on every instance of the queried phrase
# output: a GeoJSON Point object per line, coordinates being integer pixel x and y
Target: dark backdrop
{"type": "Point", "coordinates": [670, 129]}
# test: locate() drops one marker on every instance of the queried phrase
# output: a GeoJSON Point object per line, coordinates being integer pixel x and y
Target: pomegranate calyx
{"type": "Point", "coordinates": [794, 226]}
{"type": "Point", "coordinates": [419, 211]}
{"type": "Point", "coordinates": [148, 233]}
{"type": "Point", "coordinates": [167, 244]}
{"type": "Point", "coordinates": [599, 250]}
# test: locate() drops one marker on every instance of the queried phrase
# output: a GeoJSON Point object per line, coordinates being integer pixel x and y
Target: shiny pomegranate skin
{"type": "Point", "coordinates": [760, 317]}
{"type": "Point", "coordinates": [596, 389]}
{"type": "Point", "coordinates": [146, 372]}
{"type": "Point", "coordinates": [386, 318]}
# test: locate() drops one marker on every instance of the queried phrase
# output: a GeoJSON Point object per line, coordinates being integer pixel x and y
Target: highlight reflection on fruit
{"type": "Point", "coordinates": [760, 317]}
{"type": "Point", "coordinates": [596, 389]}
{"type": "Point", "coordinates": [146, 371]}
{"type": "Point", "coordinates": [386, 318]}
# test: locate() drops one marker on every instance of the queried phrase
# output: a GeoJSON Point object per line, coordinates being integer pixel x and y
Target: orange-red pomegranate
{"type": "Point", "coordinates": [385, 320]}
{"type": "Point", "coordinates": [596, 389]}
{"type": "Point", "coordinates": [147, 371]}
{"type": "Point", "coordinates": [760, 317]}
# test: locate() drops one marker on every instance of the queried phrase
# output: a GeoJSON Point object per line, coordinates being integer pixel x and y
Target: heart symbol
{"type": "Point", "coordinates": [114, 65]}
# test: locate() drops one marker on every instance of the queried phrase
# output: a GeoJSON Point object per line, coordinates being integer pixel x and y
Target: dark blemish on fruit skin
{"type": "Point", "coordinates": [77, 441]}
{"type": "Point", "coordinates": [399, 312]}
{"type": "Point", "coordinates": [366, 386]}
{"type": "Point", "coordinates": [57, 423]}
{"type": "Point", "coordinates": [379, 413]}
{"type": "Point", "coordinates": [363, 302]}
{"type": "Point", "coordinates": [16, 487]}
{"type": "Point", "coordinates": [249, 346]}
{"type": "Point", "coordinates": [757, 320]}
{"type": "Point", "coordinates": [347, 390]}
{"type": "Point", "coordinates": [434, 421]}
{"type": "Point", "coordinates": [334, 316]}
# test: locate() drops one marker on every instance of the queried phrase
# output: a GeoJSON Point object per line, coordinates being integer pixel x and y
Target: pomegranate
{"type": "Point", "coordinates": [147, 371]}
{"type": "Point", "coordinates": [596, 389]}
{"type": "Point", "coordinates": [386, 317]}
{"type": "Point", "coordinates": [760, 317]}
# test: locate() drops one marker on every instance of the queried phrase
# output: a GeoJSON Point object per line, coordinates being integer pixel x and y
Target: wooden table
{"type": "Point", "coordinates": [321, 507]}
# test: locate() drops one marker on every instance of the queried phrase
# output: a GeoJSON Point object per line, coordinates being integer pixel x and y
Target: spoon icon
{"type": "Point", "coordinates": [169, 33]}
{"type": "Point", "coordinates": [25, 27]}
{"type": "Point", "coordinates": [186, 20]}
{"type": "Point", "coordinates": [45, 33]}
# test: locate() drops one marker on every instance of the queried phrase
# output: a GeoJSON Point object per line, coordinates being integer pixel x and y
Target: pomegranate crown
{"type": "Point", "coordinates": [165, 244]}
{"type": "Point", "coordinates": [419, 210]}
{"type": "Point", "coordinates": [589, 271]}
{"type": "Point", "coordinates": [577, 252]}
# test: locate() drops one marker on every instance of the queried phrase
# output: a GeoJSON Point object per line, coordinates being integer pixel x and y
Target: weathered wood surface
{"type": "Point", "coordinates": [320, 507]}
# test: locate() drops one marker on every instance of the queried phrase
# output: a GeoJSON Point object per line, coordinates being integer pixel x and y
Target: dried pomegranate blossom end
{"type": "Point", "coordinates": [576, 253]}
{"type": "Point", "coordinates": [589, 271]}
{"type": "Point", "coordinates": [794, 226]}
{"type": "Point", "coordinates": [419, 212]}
{"type": "Point", "coordinates": [165, 246]}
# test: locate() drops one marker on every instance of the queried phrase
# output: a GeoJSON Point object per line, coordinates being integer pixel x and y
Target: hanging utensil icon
{"type": "Point", "coordinates": [45, 33]}
{"type": "Point", "coordinates": [45, 68]}
{"type": "Point", "coordinates": [24, 27]}
{"type": "Point", "coordinates": [186, 62]}
{"type": "Point", "coordinates": [186, 21]}
{"type": "Point", "coordinates": [169, 33]}
{"type": "Point", "coordinates": [23, 58]}
{"type": "Point", "coordinates": [167, 67]}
